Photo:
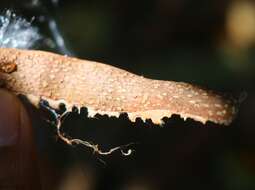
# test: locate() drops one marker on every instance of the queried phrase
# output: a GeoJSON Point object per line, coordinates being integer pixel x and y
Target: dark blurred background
{"type": "Point", "coordinates": [209, 43]}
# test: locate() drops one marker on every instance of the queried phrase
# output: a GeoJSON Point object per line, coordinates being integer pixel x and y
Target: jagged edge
{"type": "Point", "coordinates": [155, 115]}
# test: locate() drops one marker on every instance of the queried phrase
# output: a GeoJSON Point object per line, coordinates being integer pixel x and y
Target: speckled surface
{"type": "Point", "coordinates": [108, 90]}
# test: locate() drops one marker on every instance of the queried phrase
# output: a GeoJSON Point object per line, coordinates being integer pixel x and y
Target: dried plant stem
{"type": "Point", "coordinates": [107, 90]}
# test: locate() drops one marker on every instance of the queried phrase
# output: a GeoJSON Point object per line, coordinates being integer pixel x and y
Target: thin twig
{"type": "Point", "coordinates": [95, 147]}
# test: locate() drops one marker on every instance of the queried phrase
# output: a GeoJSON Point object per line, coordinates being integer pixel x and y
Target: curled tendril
{"type": "Point", "coordinates": [59, 118]}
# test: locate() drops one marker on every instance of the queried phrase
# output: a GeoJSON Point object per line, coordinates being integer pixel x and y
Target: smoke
{"type": "Point", "coordinates": [16, 32]}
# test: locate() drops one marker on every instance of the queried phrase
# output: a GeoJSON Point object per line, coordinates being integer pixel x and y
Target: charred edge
{"type": "Point", "coordinates": [157, 117]}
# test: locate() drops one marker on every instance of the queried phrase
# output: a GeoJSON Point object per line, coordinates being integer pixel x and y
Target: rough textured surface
{"type": "Point", "coordinates": [107, 90]}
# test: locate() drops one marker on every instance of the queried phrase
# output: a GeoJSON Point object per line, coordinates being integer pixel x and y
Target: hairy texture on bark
{"type": "Point", "coordinates": [104, 89]}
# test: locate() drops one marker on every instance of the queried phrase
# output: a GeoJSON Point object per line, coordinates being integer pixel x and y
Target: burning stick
{"type": "Point", "coordinates": [104, 89]}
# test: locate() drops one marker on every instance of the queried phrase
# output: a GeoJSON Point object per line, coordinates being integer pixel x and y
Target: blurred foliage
{"type": "Point", "coordinates": [210, 43]}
